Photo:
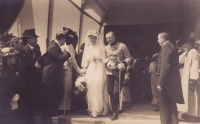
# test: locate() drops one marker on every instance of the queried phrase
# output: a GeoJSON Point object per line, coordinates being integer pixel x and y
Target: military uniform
{"type": "Point", "coordinates": [117, 51]}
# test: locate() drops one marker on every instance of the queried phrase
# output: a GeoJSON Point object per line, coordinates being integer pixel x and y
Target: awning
{"type": "Point", "coordinates": [128, 11]}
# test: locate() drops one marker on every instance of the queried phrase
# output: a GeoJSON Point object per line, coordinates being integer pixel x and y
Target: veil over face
{"type": "Point", "coordinates": [99, 44]}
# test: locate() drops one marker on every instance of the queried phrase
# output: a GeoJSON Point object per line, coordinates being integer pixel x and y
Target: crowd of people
{"type": "Point", "coordinates": [31, 82]}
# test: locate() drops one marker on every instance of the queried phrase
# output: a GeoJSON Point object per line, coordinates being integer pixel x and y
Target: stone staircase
{"type": "Point", "coordinates": [131, 114]}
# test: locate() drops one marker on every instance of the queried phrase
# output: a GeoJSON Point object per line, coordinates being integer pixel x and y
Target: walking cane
{"type": "Point", "coordinates": [119, 85]}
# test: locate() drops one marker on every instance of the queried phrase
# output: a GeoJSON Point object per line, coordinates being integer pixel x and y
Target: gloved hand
{"type": "Point", "coordinates": [15, 98]}
{"type": "Point", "coordinates": [37, 65]}
{"type": "Point", "coordinates": [121, 66]}
{"type": "Point", "coordinates": [111, 66]}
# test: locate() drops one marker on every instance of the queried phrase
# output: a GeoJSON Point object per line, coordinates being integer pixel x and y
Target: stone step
{"type": "Point", "coordinates": [131, 114]}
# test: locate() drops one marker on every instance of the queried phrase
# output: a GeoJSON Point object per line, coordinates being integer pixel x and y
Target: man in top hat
{"type": "Point", "coordinates": [115, 50]}
{"type": "Point", "coordinates": [33, 75]}
{"type": "Point", "coordinates": [31, 50]}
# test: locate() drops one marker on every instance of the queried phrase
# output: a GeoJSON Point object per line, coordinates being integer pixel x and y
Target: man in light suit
{"type": "Point", "coordinates": [168, 80]}
{"type": "Point", "coordinates": [53, 75]}
{"type": "Point", "coordinates": [115, 50]}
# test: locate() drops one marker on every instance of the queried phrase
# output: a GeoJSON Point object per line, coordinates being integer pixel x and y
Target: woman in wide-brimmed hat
{"type": "Point", "coordinates": [9, 86]}
{"type": "Point", "coordinates": [189, 63]}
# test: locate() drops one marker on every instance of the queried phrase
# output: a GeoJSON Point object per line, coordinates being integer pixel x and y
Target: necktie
{"type": "Point", "coordinates": [33, 53]}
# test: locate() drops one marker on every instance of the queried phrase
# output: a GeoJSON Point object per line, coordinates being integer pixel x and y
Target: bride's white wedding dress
{"type": "Point", "coordinates": [96, 81]}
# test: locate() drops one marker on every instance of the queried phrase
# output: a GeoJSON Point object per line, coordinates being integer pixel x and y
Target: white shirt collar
{"type": "Point", "coordinates": [63, 48]}
{"type": "Point", "coordinates": [165, 43]}
{"type": "Point", "coordinates": [31, 47]}
{"type": "Point", "coordinates": [57, 42]}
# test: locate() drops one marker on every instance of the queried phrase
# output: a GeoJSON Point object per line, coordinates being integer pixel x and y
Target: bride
{"type": "Point", "coordinates": [95, 74]}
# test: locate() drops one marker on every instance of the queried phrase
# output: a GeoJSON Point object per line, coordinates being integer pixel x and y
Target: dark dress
{"type": "Point", "coordinates": [8, 88]}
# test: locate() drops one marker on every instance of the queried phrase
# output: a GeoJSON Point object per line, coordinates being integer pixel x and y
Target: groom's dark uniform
{"type": "Point", "coordinates": [120, 51]}
{"type": "Point", "coordinates": [53, 77]}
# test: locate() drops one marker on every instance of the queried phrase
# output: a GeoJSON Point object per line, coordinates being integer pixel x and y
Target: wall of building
{"type": "Point", "coordinates": [197, 21]}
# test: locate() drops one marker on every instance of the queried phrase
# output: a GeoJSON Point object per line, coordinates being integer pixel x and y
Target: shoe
{"type": "Point", "coordinates": [181, 119]}
{"type": "Point", "coordinates": [104, 113]}
{"type": "Point", "coordinates": [94, 115]}
{"type": "Point", "coordinates": [114, 116]}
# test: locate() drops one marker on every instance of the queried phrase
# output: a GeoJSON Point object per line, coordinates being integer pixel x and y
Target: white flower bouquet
{"type": "Point", "coordinates": [80, 85]}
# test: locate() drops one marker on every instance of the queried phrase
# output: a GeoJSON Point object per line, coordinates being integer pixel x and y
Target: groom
{"type": "Point", "coordinates": [115, 51]}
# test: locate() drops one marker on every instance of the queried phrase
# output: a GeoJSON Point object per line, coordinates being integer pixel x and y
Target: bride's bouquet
{"type": "Point", "coordinates": [80, 85]}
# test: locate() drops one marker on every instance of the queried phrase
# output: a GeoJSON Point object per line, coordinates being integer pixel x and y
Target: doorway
{"type": "Point", "coordinates": [141, 40]}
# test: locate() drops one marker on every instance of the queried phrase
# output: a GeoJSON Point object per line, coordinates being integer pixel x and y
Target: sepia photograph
{"type": "Point", "coordinates": [99, 61]}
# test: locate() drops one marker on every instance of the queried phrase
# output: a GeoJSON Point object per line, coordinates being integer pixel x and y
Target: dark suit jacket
{"type": "Point", "coordinates": [167, 71]}
{"type": "Point", "coordinates": [53, 72]}
{"type": "Point", "coordinates": [29, 54]}
{"type": "Point", "coordinates": [31, 72]}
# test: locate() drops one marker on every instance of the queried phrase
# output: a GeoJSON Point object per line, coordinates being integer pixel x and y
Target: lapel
{"type": "Point", "coordinates": [56, 45]}
{"type": "Point", "coordinates": [29, 51]}
{"type": "Point", "coordinates": [159, 56]}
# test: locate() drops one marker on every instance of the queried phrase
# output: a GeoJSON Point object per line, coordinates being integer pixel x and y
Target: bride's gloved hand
{"type": "Point", "coordinates": [82, 71]}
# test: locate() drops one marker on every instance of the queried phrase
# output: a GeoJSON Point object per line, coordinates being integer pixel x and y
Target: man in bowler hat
{"type": "Point", "coordinates": [33, 75]}
{"type": "Point", "coordinates": [53, 75]}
